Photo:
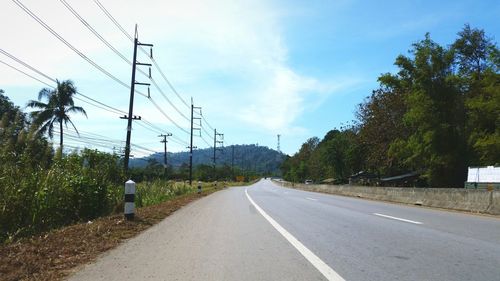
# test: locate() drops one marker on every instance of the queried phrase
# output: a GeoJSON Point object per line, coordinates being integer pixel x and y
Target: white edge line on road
{"type": "Point", "coordinates": [320, 265]}
{"type": "Point", "coordinates": [309, 198]}
{"type": "Point", "coordinates": [395, 218]}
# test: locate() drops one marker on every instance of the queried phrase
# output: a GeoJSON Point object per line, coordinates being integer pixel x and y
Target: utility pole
{"type": "Point", "coordinates": [279, 150]}
{"type": "Point", "coordinates": [232, 161]}
{"type": "Point", "coordinates": [164, 141]}
{"type": "Point", "coordinates": [216, 141]}
{"type": "Point", "coordinates": [191, 142]}
{"type": "Point", "coordinates": [130, 116]}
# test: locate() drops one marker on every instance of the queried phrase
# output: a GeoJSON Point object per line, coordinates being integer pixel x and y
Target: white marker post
{"type": "Point", "coordinates": [199, 187]}
{"type": "Point", "coordinates": [129, 200]}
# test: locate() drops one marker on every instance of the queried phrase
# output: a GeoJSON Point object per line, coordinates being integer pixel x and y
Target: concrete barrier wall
{"type": "Point", "coordinates": [481, 201]}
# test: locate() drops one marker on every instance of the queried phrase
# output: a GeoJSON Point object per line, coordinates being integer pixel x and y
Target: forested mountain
{"type": "Point", "coordinates": [259, 159]}
{"type": "Point", "coordinates": [439, 114]}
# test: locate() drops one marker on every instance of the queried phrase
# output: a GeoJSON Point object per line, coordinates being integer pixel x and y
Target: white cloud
{"type": "Point", "coordinates": [229, 55]}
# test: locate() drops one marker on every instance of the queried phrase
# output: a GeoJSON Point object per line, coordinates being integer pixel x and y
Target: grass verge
{"type": "Point", "coordinates": [54, 255]}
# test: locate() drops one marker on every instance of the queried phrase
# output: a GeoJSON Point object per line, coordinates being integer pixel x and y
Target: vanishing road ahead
{"type": "Point", "coordinates": [267, 232]}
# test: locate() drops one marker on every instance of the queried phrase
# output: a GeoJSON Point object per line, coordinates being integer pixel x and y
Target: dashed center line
{"type": "Point", "coordinates": [396, 218]}
{"type": "Point", "coordinates": [312, 199]}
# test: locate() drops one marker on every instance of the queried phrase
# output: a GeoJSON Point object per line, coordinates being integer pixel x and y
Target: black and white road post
{"type": "Point", "coordinates": [199, 187]}
{"type": "Point", "coordinates": [129, 200]}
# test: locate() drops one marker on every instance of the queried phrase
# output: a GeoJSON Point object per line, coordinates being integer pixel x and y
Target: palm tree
{"type": "Point", "coordinates": [56, 110]}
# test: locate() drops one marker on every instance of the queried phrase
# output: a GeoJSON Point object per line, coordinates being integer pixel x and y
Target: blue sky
{"type": "Point", "coordinates": [257, 68]}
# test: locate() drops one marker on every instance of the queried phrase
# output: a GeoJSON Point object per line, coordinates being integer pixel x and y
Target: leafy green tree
{"type": "Point", "coordinates": [381, 118]}
{"type": "Point", "coordinates": [478, 60]}
{"type": "Point", "coordinates": [435, 116]}
{"type": "Point", "coordinates": [341, 153]}
{"type": "Point", "coordinates": [60, 104]}
{"type": "Point", "coordinates": [475, 53]}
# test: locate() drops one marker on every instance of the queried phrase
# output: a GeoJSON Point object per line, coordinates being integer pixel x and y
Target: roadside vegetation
{"type": "Point", "coordinates": [437, 115]}
{"type": "Point", "coordinates": [43, 188]}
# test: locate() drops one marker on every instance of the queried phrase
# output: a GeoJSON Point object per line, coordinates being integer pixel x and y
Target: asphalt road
{"type": "Point", "coordinates": [267, 232]}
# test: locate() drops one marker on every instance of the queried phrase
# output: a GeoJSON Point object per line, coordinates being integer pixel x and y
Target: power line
{"type": "Point", "coordinates": [101, 104]}
{"type": "Point", "coordinates": [75, 13]}
{"type": "Point", "coordinates": [205, 131]}
{"type": "Point", "coordinates": [206, 122]}
{"type": "Point", "coordinates": [69, 45]}
{"type": "Point", "coordinates": [167, 99]}
{"type": "Point", "coordinates": [103, 142]}
{"type": "Point", "coordinates": [26, 65]}
{"type": "Point", "coordinates": [205, 141]}
{"type": "Point", "coordinates": [32, 77]}
{"type": "Point", "coordinates": [166, 116]}
{"type": "Point", "coordinates": [89, 27]}
{"type": "Point", "coordinates": [158, 129]}
{"type": "Point", "coordinates": [157, 66]}
{"type": "Point", "coordinates": [168, 82]}
{"type": "Point", "coordinates": [113, 20]}
{"type": "Point", "coordinates": [148, 128]}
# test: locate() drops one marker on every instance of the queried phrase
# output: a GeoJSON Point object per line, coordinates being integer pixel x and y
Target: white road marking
{"type": "Point", "coordinates": [395, 218]}
{"type": "Point", "coordinates": [320, 265]}
{"type": "Point", "coordinates": [309, 198]}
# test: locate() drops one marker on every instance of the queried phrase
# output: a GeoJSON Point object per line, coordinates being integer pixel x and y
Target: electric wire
{"type": "Point", "coordinates": [26, 65]}
{"type": "Point", "coordinates": [148, 128]}
{"type": "Point", "coordinates": [101, 104]}
{"type": "Point", "coordinates": [75, 13]}
{"type": "Point", "coordinates": [205, 141]}
{"type": "Point", "coordinates": [102, 142]}
{"type": "Point", "coordinates": [69, 45]}
{"type": "Point", "coordinates": [41, 22]}
{"type": "Point", "coordinates": [113, 20]}
{"type": "Point", "coordinates": [156, 65]}
{"type": "Point", "coordinates": [89, 27]}
{"type": "Point", "coordinates": [206, 122]}
{"type": "Point", "coordinates": [167, 99]}
{"type": "Point", "coordinates": [206, 132]}
{"type": "Point", "coordinates": [166, 116]}
{"type": "Point", "coordinates": [32, 77]}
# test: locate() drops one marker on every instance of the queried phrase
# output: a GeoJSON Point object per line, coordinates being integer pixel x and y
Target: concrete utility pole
{"type": "Point", "coordinates": [164, 141]}
{"type": "Point", "coordinates": [191, 142]}
{"type": "Point", "coordinates": [216, 141]}
{"type": "Point", "coordinates": [130, 116]}
{"type": "Point", "coordinates": [232, 161]}
{"type": "Point", "coordinates": [279, 150]}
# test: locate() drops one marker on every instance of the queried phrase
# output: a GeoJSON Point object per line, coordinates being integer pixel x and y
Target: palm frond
{"type": "Point", "coordinates": [71, 122]}
{"type": "Point", "coordinates": [60, 103]}
{"type": "Point", "coordinates": [51, 128]}
{"type": "Point", "coordinates": [42, 116]}
{"type": "Point", "coordinates": [36, 104]}
{"type": "Point", "coordinates": [77, 109]}
{"type": "Point", "coordinates": [45, 92]}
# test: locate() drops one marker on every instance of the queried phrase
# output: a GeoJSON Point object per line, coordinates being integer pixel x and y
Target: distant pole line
{"type": "Point", "coordinates": [134, 63]}
{"type": "Point", "coordinates": [164, 141]}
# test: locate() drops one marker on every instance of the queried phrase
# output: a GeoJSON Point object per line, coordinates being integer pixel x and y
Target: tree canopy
{"type": "Point", "coordinates": [438, 114]}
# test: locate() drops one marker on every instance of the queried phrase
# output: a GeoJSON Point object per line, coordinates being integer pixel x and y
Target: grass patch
{"type": "Point", "coordinates": [54, 255]}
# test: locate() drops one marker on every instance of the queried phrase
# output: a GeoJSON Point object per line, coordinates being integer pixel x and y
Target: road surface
{"type": "Point", "coordinates": [268, 232]}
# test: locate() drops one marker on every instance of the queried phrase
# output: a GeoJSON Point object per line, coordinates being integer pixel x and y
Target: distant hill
{"type": "Point", "coordinates": [247, 157]}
